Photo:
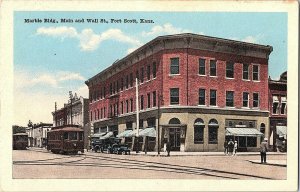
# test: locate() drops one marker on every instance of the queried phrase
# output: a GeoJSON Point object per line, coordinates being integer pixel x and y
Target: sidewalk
{"type": "Point", "coordinates": [281, 163]}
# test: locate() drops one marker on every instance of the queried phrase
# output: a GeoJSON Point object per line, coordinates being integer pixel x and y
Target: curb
{"type": "Point", "coordinates": [271, 164]}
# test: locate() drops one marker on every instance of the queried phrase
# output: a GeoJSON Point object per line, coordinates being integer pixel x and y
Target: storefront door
{"type": "Point", "coordinates": [175, 139]}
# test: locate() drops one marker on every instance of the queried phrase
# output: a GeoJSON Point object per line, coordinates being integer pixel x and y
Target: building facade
{"type": "Point", "coordinates": [37, 134]}
{"type": "Point", "coordinates": [278, 111]}
{"type": "Point", "coordinates": [78, 109]}
{"type": "Point", "coordinates": [196, 91]}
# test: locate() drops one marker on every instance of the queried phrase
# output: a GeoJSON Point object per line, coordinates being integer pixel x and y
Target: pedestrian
{"type": "Point", "coordinates": [230, 147]}
{"type": "Point", "coordinates": [168, 147]}
{"type": "Point", "coordinates": [226, 147]}
{"type": "Point", "coordinates": [263, 150]}
{"type": "Point", "coordinates": [235, 147]}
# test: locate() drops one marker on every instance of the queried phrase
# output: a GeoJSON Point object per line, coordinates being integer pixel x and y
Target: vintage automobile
{"type": "Point", "coordinates": [120, 149]}
{"type": "Point", "coordinates": [104, 142]}
{"type": "Point", "coordinates": [20, 141]}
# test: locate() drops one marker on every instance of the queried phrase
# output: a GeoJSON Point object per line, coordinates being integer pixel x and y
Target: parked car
{"type": "Point", "coordinates": [104, 145]}
{"type": "Point", "coordinates": [120, 149]}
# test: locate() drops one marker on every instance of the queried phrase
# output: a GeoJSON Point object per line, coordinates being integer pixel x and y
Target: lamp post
{"type": "Point", "coordinates": [158, 123]}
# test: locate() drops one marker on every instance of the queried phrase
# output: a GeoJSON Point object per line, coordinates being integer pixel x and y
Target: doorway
{"type": "Point", "coordinates": [175, 139]}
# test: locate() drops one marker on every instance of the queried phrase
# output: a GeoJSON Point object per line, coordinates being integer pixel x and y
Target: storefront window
{"type": "Point", "coordinates": [251, 141]}
{"type": "Point", "coordinates": [213, 126]}
{"type": "Point", "coordinates": [198, 131]}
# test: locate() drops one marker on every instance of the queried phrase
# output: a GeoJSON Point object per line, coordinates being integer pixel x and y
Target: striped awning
{"type": "Point", "coordinates": [98, 135]}
{"type": "Point", "coordinates": [250, 132]}
{"type": "Point", "coordinates": [107, 135]}
{"type": "Point", "coordinates": [148, 132]}
{"type": "Point", "coordinates": [134, 133]}
{"type": "Point", "coordinates": [281, 131]}
{"type": "Point", "coordinates": [124, 133]}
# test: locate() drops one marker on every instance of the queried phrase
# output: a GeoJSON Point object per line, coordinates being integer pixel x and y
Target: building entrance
{"type": "Point", "coordinates": [175, 138]}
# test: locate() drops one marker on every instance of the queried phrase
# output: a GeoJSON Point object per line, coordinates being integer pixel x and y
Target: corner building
{"type": "Point", "coordinates": [194, 90]}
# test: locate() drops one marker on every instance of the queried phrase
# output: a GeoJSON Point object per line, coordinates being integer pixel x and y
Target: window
{"type": "Point", "coordinates": [104, 92]}
{"type": "Point", "coordinates": [174, 121]}
{"type": "Point", "coordinates": [126, 83]}
{"type": "Point", "coordinates": [213, 126]}
{"type": "Point", "coordinates": [101, 113]}
{"type": "Point", "coordinates": [127, 107]}
{"type": "Point", "coordinates": [154, 70]}
{"type": "Point", "coordinates": [201, 96]}
{"type": "Point", "coordinates": [201, 66]}
{"type": "Point", "coordinates": [275, 105]}
{"type": "Point", "coordinates": [251, 141]}
{"type": "Point", "coordinates": [114, 87]}
{"type": "Point", "coordinates": [174, 96]}
{"type": "Point", "coordinates": [213, 98]}
{"type": "Point", "coordinates": [245, 99]}
{"type": "Point", "coordinates": [283, 105]}
{"type": "Point", "coordinates": [95, 115]}
{"type": "Point", "coordinates": [148, 100]}
{"type": "Point", "coordinates": [118, 86]}
{"type": "Point", "coordinates": [255, 73]}
{"type": "Point", "coordinates": [255, 100]}
{"type": "Point", "coordinates": [131, 105]}
{"type": "Point", "coordinates": [91, 115]}
{"type": "Point", "coordinates": [142, 102]}
{"type": "Point", "coordinates": [142, 75]}
{"type": "Point", "coordinates": [229, 70]}
{"type": "Point", "coordinates": [148, 72]}
{"type": "Point", "coordinates": [122, 84]}
{"type": "Point", "coordinates": [213, 68]}
{"type": "Point", "coordinates": [174, 69]}
{"type": "Point", "coordinates": [198, 131]}
{"type": "Point", "coordinates": [141, 123]}
{"type": "Point", "coordinates": [98, 111]}
{"type": "Point", "coordinates": [80, 136]}
{"type": "Point", "coordinates": [245, 71]}
{"type": "Point", "coordinates": [104, 112]}
{"type": "Point", "coordinates": [229, 98]}
{"type": "Point", "coordinates": [72, 135]}
{"type": "Point", "coordinates": [110, 88]}
{"type": "Point", "coordinates": [111, 110]}
{"type": "Point", "coordinates": [131, 80]}
{"type": "Point", "coordinates": [154, 98]}
{"type": "Point", "coordinates": [122, 107]}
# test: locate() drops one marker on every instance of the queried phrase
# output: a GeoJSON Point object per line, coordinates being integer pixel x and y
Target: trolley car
{"type": "Point", "coordinates": [65, 140]}
{"type": "Point", "coordinates": [20, 141]}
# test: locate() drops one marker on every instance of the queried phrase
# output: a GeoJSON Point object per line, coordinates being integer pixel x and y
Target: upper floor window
{"type": "Point", "coordinates": [213, 68]}
{"type": "Point", "coordinates": [118, 86]}
{"type": "Point", "coordinates": [255, 75]}
{"type": "Point", "coordinates": [122, 83]}
{"type": "Point", "coordinates": [142, 102]}
{"type": "Point", "coordinates": [154, 70]}
{"type": "Point", "coordinates": [131, 105]}
{"type": "Point", "coordinates": [174, 69]}
{"type": "Point", "coordinates": [127, 106]}
{"type": "Point", "coordinates": [229, 98]}
{"type": "Point", "coordinates": [131, 80]}
{"type": "Point", "coordinates": [154, 98]}
{"type": "Point", "coordinates": [142, 75]}
{"type": "Point", "coordinates": [245, 99]}
{"type": "Point", "coordinates": [201, 66]}
{"type": "Point", "coordinates": [127, 82]}
{"type": "Point", "coordinates": [174, 96]}
{"type": "Point", "coordinates": [275, 106]}
{"type": "Point", "coordinates": [148, 100]}
{"type": "Point", "coordinates": [122, 107]}
{"type": "Point", "coordinates": [201, 96]}
{"type": "Point", "coordinates": [229, 70]}
{"type": "Point", "coordinates": [213, 98]}
{"type": "Point", "coordinates": [148, 72]}
{"type": "Point", "coordinates": [255, 100]}
{"type": "Point", "coordinates": [283, 105]}
{"type": "Point", "coordinates": [110, 88]}
{"type": "Point", "coordinates": [245, 71]}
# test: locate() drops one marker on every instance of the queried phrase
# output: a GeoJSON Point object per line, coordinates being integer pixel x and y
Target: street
{"type": "Point", "coordinates": [39, 163]}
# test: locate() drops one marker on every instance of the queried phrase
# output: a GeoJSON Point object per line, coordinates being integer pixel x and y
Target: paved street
{"type": "Point", "coordinates": [39, 163]}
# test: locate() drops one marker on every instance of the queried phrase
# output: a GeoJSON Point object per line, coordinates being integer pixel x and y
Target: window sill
{"type": "Point", "coordinates": [198, 142]}
{"type": "Point", "coordinates": [171, 75]}
{"type": "Point", "coordinates": [246, 79]}
{"type": "Point", "coordinates": [213, 76]}
{"type": "Point", "coordinates": [229, 78]}
{"type": "Point", "coordinates": [256, 81]}
{"type": "Point", "coordinates": [213, 142]}
{"type": "Point", "coordinates": [202, 75]}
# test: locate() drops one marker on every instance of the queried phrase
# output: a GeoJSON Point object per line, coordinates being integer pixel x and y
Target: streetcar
{"type": "Point", "coordinates": [67, 139]}
{"type": "Point", "coordinates": [20, 141]}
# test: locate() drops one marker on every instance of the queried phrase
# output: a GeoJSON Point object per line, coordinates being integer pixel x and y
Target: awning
{"type": "Point", "coordinates": [150, 132]}
{"type": "Point", "coordinates": [133, 133]}
{"type": "Point", "coordinates": [250, 132]}
{"type": "Point", "coordinates": [108, 135]}
{"type": "Point", "coordinates": [98, 135]}
{"type": "Point", "coordinates": [281, 131]}
{"type": "Point", "coordinates": [124, 134]}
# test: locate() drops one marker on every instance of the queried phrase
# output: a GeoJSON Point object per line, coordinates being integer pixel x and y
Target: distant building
{"type": "Point", "coordinates": [78, 109]}
{"type": "Point", "coordinates": [278, 110]}
{"type": "Point", "coordinates": [195, 91]}
{"type": "Point", "coordinates": [37, 134]}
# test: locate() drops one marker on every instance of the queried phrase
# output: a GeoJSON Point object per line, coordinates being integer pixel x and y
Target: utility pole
{"type": "Point", "coordinates": [137, 113]}
{"type": "Point", "coordinates": [71, 98]}
{"type": "Point", "coordinates": [158, 123]}
{"type": "Point", "coordinates": [55, 119]}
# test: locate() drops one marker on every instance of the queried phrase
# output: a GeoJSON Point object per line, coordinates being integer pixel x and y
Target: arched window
{"type": "Point", "coordinates": [174, 121]}
{"type": "Point", "coordinates": [213, 126]}
{"type": "Point", "coordinates": [198, 130]}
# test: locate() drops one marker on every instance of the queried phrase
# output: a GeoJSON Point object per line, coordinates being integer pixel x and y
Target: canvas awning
{"type": "Point", "coordinates": [150, 132]}
{"type": "Point", "coordinates": [107, 135]}
{"type": "Point", "coordinates": [133, 133]}
{"type": "Point", "coordinates": [250, 132]}
{"type": "Point", "coordinates": [281, 131]}
{"type": "Point", "coordinates": [98, 135]}
{"type": "Point", "coordinates": [124, 133]}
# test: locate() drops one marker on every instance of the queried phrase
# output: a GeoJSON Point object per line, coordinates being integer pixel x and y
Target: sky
{"type": "Point", "coordinates": [51, 59]}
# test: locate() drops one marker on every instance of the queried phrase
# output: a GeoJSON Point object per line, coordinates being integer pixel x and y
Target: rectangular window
{"type": "Point", "coordinates": [95, 115]}
{"type": "Point", "coordinates": [142, 102]}
{"type": "Point", "coordinates": [198, 134]}
{"type": "Point", "coordinates": [229, 98]}
{"type": "Point", "coordinates": [174, 96]}
{"type": "Point", "coordinates": [251, 141]}
{"type": "Point", "coordinates": [245, 71]}
{"type": "Point", "coordinates": [229, 70]}
{"type": "Point", "coordinates": [122, 84]}
{"type": "Point", "coordinates": [114, 87]}
{"type": "Point", "coordinates": [104, 92]}
{"type": "Point", "coordinates": [101, 113]}
{"type": "Point", "coordinates": [127, 82]}
{"type": "Point", "coordinates": [201, 66]}
{"type": "Point", "coordinates": [104, 112]}
{"type": "Point", "coordinates": [127, 107]}
{"type": "Point", "coordinates": [174, 67]}
{"type": "Point", "coordinates": [255, 73]}
{"type": "Point", "coordinates": [118, 88]}
{"type": "Point", "coordinates": [154, 70]}
{"type": "Point", "coordinates": [111, 110]}
{"type": "Point", "coordinates": [245, 99]}
{"type": "Point", "coordinates": [283, 106]}
{"type": "Point", "coordinates": [148, 100]}
{"type": "Point", "coordinates": [142, 75]}
{"type": "Point", "coordinates": [201, 96]}
{"type": "Point", "coordinates": [91, 116]}
{"type": "Point", "coordinates": [148, 72]}
{"type": "Point", "coordinates": [154, 98]}
{"type": "Point", "coordinates": [122, 107]}
{"type": "Point", "coordinates": [213, 98]}
{"type": "Point", "coordinates": [131, 105]}
{"type": "Point", "coordinates": [110, 89]}
{"type": "Point", "coordinates": [213, 134]}
{"type": "Point", "coordinates": [98, 111]}
{"type": "Point", "coordinates": [131, 80]}
{"type": "Point", "coordinates": [213, 68]}
{"type": "Point", "coordinates": [255, 100]}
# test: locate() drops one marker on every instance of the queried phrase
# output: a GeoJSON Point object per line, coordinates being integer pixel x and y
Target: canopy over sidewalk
{"type": "Point", "coordinates": [250, 132]}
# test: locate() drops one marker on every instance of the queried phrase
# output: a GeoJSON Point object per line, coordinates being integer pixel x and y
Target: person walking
{"type": "Point", "coordinates": [263, 151]}
{"type": "Point", "coordinates": [168, 148]}
{"type": "Point", "coordinates": [226, 147]}
{"type": "Point", "coordinates": [235, 147]}
{"type": "Point", "coordinates": [230, 147]}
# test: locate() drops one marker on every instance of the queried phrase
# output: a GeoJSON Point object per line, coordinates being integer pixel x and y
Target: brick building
{"type": "Point", "coordinates": [194, 91]}
{"type": "Point", "coordinates": [278, 110]}
{"type": "Point", "coordinates": [79, 110]}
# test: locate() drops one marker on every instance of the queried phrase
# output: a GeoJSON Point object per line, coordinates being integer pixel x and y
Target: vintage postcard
{"type": "Point", "coordinates": [149, 96]}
